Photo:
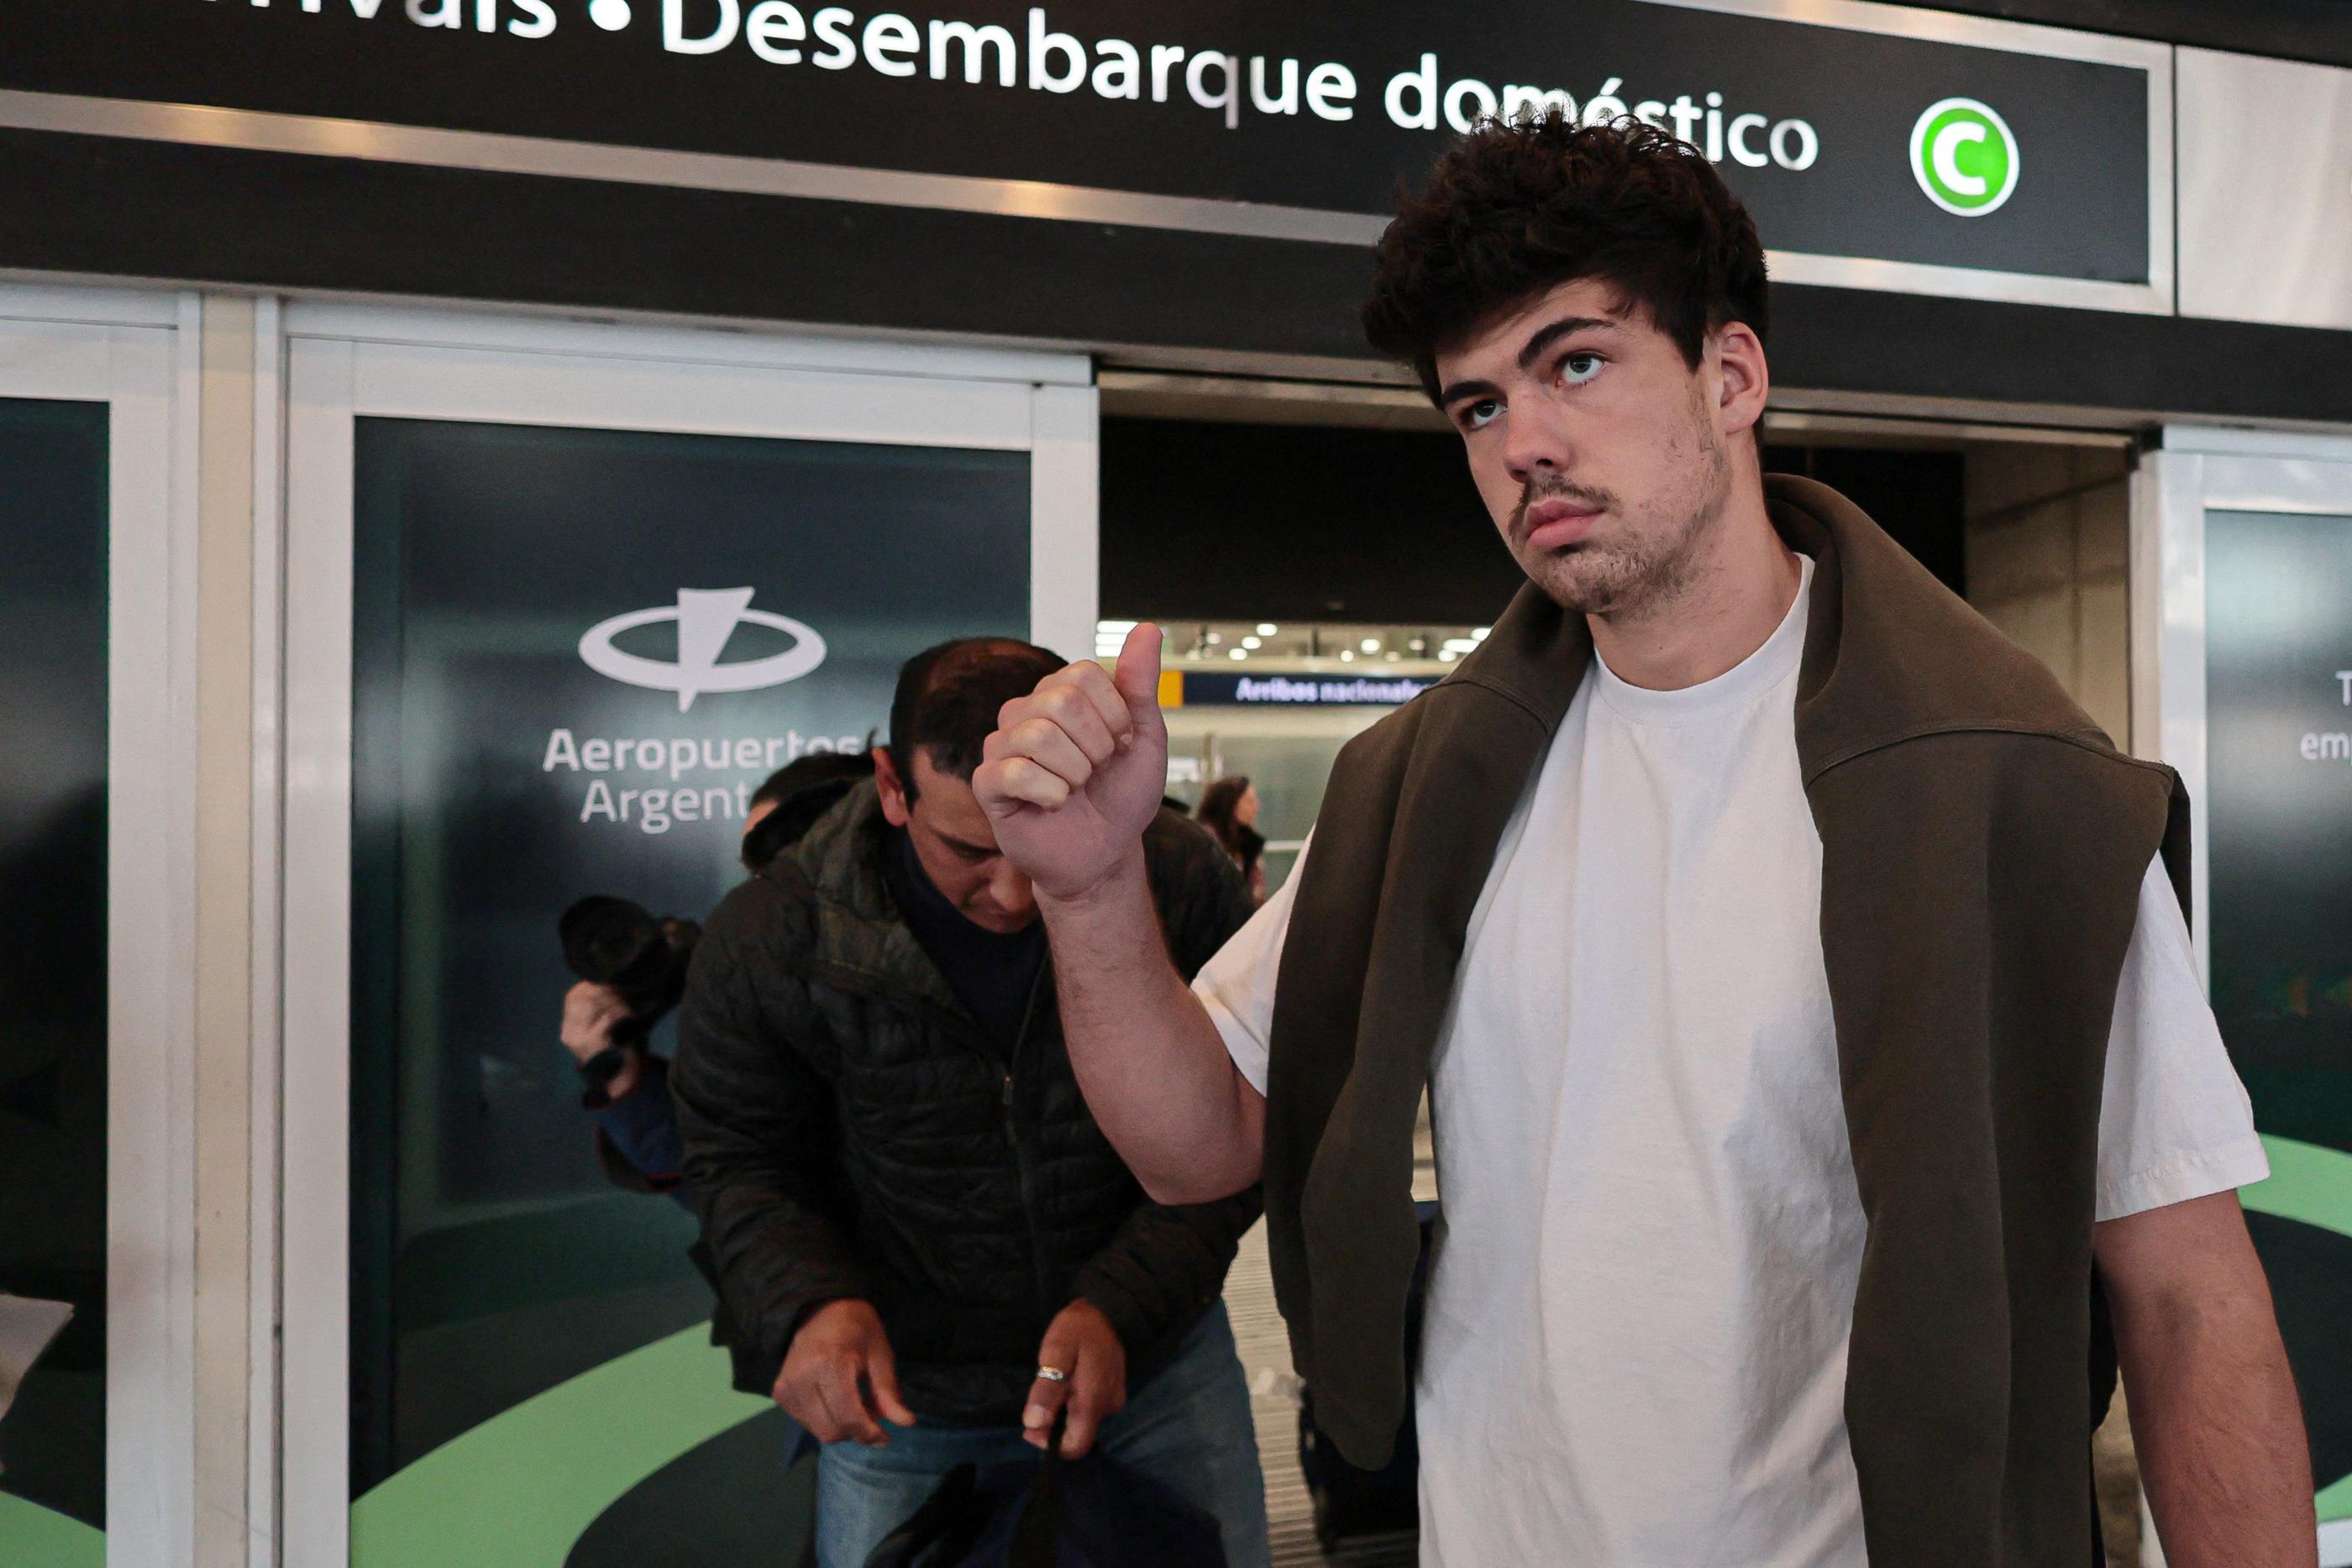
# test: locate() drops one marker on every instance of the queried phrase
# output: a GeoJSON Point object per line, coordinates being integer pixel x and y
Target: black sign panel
{"type": "Point", "coordinates": [1845, 143]}
{"type": "Point", "coordinates": [577, 655]}
{"type": "Point", "coordinates": [2278, 701]}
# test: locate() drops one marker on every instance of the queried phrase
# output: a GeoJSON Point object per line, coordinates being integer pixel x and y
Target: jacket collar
{"type": "Point", "coordinates": [863, 939]}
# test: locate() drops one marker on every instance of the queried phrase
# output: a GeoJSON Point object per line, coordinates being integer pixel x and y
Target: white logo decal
{"type": "Point", "coordinates": [705, 618]}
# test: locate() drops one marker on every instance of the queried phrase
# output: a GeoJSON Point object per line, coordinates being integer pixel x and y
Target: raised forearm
{"type": "Point", "coordinates": [1156, 1076]}
{"type": "Point", "coordinates": [2218, 1429]}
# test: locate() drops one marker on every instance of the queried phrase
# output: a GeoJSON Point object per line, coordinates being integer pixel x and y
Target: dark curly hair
{"type": "Point", "coordinates": [1524, 205]}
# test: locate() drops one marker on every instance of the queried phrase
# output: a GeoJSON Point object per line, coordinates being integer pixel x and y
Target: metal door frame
{"type": "Point", "coordinates": [343, 362]}
{"type": "Point", "coordinates": [136, 352]}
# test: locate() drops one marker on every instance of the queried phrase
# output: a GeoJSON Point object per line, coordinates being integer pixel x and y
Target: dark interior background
{"type": "Point", "coordinates": [52, 866]}
{"type": "Point", "coordinates": [1206, 521]}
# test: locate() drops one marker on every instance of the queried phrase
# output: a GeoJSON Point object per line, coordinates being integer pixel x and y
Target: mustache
{"type": "Point", "coordinates": [1587, 495]}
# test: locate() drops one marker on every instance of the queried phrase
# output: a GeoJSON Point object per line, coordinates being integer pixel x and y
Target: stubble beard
{"type": "Point", "coordinates": [1651, 560]}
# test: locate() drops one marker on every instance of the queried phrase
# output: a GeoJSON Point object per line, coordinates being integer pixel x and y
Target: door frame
{"type": "Point", "coordinates": [2200, 469]}
{"type": "Point", "coordinates": [2197, 469]}
{"type": "Point", "coordinates": [137, 352]}
{"type": "Point", "coordinates": [343, 362]}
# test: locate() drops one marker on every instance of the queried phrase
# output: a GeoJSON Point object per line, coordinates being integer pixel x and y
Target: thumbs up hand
{"type": "Point", "coordinates": [1075, 770]}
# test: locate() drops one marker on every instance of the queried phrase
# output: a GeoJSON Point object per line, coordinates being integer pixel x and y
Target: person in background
{"type": "Point", "coordinates": [1229, 810]}
{"type": "Point", "coordinates": [636, 1122]}
{"type": "Point", "coordinates": [909, 1208]}
{"type": "Point", "coordinates": [636, 1127]}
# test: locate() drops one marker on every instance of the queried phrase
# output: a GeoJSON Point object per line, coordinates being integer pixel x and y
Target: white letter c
{"type": "Point", "coordinates": [1942, 158]}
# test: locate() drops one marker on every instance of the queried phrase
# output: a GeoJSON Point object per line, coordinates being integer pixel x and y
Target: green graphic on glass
{"type": "Point", "coordinates": [1964, 156]}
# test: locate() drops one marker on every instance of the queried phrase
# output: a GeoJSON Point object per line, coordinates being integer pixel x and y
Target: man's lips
{"type": "Point", "coordinates": [1555, 524]}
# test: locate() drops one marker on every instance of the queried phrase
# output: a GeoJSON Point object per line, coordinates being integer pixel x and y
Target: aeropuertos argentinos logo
{"type": "Point", "coordinates": [705, 619]}
{"type": "Point", "coordinates": [1964, 156]}
{"type": "Point", "coordinates": [655, 781]}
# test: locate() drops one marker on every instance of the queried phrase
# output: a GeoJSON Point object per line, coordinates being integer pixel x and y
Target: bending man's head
{"type": "Point", "coordinates": [940, 718]}
{"type": "Point", "coordinates": [1586, 303]}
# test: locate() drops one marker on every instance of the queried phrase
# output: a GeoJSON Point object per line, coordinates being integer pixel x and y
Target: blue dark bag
{"type": "Point", "coordinates": [1053, 1513]}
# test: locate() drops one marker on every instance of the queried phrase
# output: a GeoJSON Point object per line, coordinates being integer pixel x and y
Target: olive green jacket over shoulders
{"type": "Point", "coordinates": [1983, 846]}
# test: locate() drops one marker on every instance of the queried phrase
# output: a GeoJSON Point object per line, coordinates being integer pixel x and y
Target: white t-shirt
{"type": "Point", "coordinates": [1637, 1319]}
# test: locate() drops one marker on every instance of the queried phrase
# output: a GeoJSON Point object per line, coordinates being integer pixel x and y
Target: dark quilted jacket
{"type": "Point", "coordinates": [851, 1132]}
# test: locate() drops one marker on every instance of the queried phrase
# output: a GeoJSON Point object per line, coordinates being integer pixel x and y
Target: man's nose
{"type": "Point", "coordinates": [1010, 891]}
{"type": "Point", "coordinates": [1535, 440]}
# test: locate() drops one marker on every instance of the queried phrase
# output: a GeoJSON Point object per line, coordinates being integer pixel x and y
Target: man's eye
{"type": "Point", "coordinates": [1577, 369]}
{"type": "Point", "coordinates": [1479, 414]}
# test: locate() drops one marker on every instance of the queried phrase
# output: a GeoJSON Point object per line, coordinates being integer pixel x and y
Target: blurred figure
{"type": "Point", "coordinates": [636, 1122]}
{"type": "Point", "coordinates": [1228, 810]}
{"type": "Point", "coordinates": [636, 1127]}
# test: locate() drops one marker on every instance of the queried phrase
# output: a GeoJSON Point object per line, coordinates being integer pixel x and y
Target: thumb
{"type": "Point", "coordinates": [882, 1373]}
{"type": "Point", "coordinates": [1138, 677]}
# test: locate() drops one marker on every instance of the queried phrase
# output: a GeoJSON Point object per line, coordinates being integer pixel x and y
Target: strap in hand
{"type": "Point", "coordinates": [1037, 1538]}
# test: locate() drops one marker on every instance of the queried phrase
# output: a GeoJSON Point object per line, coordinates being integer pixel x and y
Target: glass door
{"type": "Point", "coordinates": [561, 599]}
{"type": "Point", "coordinates": [95, 1220]}
{"type": "Point", "coordinates": [2253, 665]}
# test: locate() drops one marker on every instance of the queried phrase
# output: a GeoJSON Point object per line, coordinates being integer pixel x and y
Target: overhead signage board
{"type": "Point", "coordinates": [1191, 690]}
{"type": "Point", "coordinates": [1878, 146]}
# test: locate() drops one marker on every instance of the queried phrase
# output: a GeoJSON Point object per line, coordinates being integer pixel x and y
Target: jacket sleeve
{"type": "Point", "coordinates": [1165, 1265]}
{"type": "Point", "coordinates": [757, 1123]}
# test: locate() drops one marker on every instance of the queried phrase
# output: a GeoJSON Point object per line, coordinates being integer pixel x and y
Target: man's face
{"type": "Point", "coordinates": [956, 844]}
{"type": "Point", "coordinates": [1601, 453]}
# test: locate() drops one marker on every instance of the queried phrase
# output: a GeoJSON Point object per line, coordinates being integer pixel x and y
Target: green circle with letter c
{"type": "Point", "coordinates": [1964, 156]}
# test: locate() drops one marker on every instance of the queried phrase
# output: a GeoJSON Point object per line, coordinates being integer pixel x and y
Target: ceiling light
{"type": "Point", "coordinates": [1447, 655]}
{"type": "Point", "coordinates": [1347, 655]}
{"type": "Point", "coordinates": [1480, 632]}
{"type": "Point", "coordinates": [1394, 656]}
{"type": "Point", "coordinates": [1267, 628]}
{"type": "Point", "coordinates": [1370, 644]}
{"type": "Point", "coordinates": [1461, 644]}
{"type": "Point", "coordinates": [1252, 643]}
{"type": "Point", "coordinates": [1239, 653]}
{"type": "Point", "coordinates": [1213, 638]}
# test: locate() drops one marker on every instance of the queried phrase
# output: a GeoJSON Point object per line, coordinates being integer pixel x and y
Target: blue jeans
{"type": "Point", "coordinates": [1189, 1429]}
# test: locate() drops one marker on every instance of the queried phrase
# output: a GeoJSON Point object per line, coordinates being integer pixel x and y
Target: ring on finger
{"type": "Point", "coordinates": [1052, 1375]}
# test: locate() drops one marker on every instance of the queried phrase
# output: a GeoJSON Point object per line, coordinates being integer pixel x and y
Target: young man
{"type": "Point", "coordinates": [911, 1213]}
{"type": "Point", "coordinates": [1814, 1049]}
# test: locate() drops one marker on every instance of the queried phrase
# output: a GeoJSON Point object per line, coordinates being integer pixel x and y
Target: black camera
{"type": "Point", "coordinates": [615, 943]}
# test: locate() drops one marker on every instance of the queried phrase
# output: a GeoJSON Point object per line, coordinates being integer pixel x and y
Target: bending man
{"type": "Point", "coordinates": [930, 1248]}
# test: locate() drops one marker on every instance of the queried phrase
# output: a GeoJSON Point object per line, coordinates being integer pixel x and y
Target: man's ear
{"type": "Point", "coordinates": [1745, 380]}
{"type": "Point", "coordinates": [895, 809]}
